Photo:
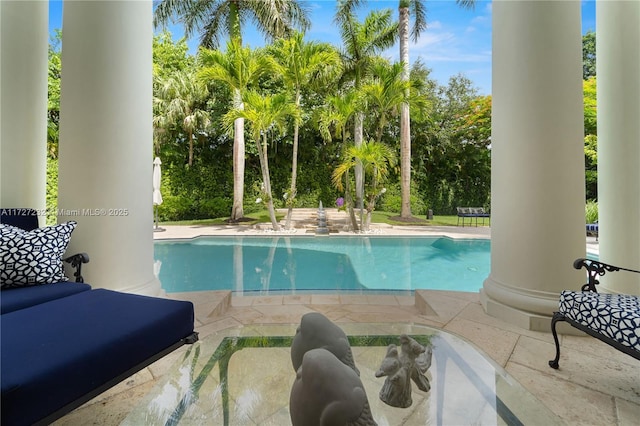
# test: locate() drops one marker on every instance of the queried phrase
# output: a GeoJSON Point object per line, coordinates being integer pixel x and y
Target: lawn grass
{"type": "Point", "coordinates": [391, 218]}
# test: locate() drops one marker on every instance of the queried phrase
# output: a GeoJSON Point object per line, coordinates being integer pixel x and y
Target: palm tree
{"type": "Point", "coordinates": [238, 67]}
{"type": "Point", "coordinates": [300, 63]}
{"type": "Point", "coordinates": [216, 18]}
{"type": "Point", "coordinates": [265, 114]}
{"type": "Point", "coordinates": [418, 10]}
{"type": "Point", "coordinates": [181, 99]}
{"type": "Point", "coordinates": [376, 160]}
{"type": "Point", "coordinates": [361, 42]}
{"type": "Point", "coordinates": [385, 93]}
{"type": "Point", "coordinates": [338, 114]}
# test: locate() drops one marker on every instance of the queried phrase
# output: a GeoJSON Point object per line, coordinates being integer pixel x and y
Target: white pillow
{"type": "Point", "coordinates": [33, 257]}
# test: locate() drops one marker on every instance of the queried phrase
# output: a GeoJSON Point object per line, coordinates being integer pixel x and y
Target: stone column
{"type": "Point", "coordinates": [106, 160]}
{"type": "Point", "coordinates": [537, 169]}
{"type": "Point", "coordinates": [618, 81]}
{"type": "Point", "coordinates": [23, 110]}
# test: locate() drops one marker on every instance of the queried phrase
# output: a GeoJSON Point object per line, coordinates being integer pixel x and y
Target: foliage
{"type": "Point", "coordinates": [215, 19]}
{"type": "Point", "coordinates": [53, 92]}
{"type": "Point", "coordinates": [450, 130]}
{"type": "Point", "coordinates": [590, 138]}
{"type": "Point", "coordinates": [589, 55]}
{"type": "Point", "coordinates": [52, 191]}
{"type": "Point", "coordinates": [591, 212]}
{"type": "Point", "coordinates": [391, 201]}
{"type": "Point", "coordinates": [590, 110]}
{"type": "Point", "coordinates": [453, 151]}
{"type": "Point", "coordinates": [376, 159]}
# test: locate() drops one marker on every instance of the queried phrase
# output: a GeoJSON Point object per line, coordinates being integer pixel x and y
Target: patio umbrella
{"type": "Point", "coordinates": [157, 195]}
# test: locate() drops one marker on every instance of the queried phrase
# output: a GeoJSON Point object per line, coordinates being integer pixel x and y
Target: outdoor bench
{"type": "Point", "coordinates": [611, 318]}
{"type": "Point", "coordinates": [62, 343]}
{"type": "Point", "coordinates": [471, 213]}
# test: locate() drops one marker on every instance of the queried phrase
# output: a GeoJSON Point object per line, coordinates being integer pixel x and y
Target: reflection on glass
{"type": "Point", "coordinates": [246, 373]}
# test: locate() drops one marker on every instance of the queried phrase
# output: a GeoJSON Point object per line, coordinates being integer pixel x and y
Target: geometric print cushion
{"type": "Point", "coordinates": [33, 257]}
{"type": "Point", "coordinates": [616, 316]}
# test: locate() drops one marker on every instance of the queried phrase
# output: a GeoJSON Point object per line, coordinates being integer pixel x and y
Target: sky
{"type": "Point", "coordinates": [456, 41]}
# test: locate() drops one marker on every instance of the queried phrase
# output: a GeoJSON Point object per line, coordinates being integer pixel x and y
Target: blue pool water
{"type": "Point", "coordinates": [298, 263]}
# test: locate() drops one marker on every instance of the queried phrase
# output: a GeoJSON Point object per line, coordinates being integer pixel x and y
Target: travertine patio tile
{"type": "Point", "coordinates": [267, 300]}
{"type": "Point", "coordinates": [378, 316]}
{"type": "Point", "coordinates": [353, 299]}
{"type": "Point", "coordinates": [378, 299]}
{"type": "Point", "coordinates": [441, 305]}
{"type": "Point", "coordinates": [575, 404]}
{"type": "Point", "coordinates": [497, 343]}
{"type": "Point", "coordinates": [290, 314]}
{"type": "Point", "coordinates": [296, 299]}
{"type": "Point", "coordinates": [596, 347]}
{"type": "Point", "coordinates": [627, 412]}
{"type": "Point", "coordinates": [100, 410]}
{"type": "Point", "coordinates": [581, 367]}
{"type": "Point", "coordinates": [406, 300]}
{"type": "Point", "coordinates": [214, 326]}
{"type": "Point", "coordinates": [325, 299]}
{"type": "Point", "coordinates": [242, 300]}
{"type": "Point", "coordinates": [475, 312]}
{"type": "Point", "coordinates": [246, 315]}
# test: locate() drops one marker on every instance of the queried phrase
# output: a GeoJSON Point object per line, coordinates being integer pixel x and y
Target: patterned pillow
{"type": "Point", "coordinates": [33, 257]}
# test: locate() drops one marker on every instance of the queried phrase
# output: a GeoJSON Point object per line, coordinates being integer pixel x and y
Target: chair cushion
{"type": "Point", "coordinates": [22, 218]}
{"type": "Point", "coordinates": [13, 299]}
{"type": "Point", "coordinates": [33, 257]}
{"type": "Point", "coordinates": [616, 316]}
{"type": "Point", "coordinates": [56, 352]}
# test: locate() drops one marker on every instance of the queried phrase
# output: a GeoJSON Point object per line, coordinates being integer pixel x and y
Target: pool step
{"type": "Point", "coordinates": [307, 219]}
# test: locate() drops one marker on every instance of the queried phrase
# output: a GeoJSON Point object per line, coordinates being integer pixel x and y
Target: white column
{"type": "Point", "coordinates": [23, 108]}
{"type": "Point", "coordinates": [106, 161]}
{"type": "Point", "coordinates": [537, 169]}
{"type": "Point", "coordinates": [618, 81]}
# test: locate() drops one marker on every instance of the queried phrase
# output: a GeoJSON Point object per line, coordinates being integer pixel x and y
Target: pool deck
{"type": "Point", "coordinates": [595, 385]}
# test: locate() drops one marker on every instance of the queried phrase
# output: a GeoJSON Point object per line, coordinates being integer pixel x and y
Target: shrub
{"type": "Point", "coordinates": [591, 211]}
{"type": "Point", "coordinates": [52, 191]}
{"type": "Point", "coordinates": [391, 201]}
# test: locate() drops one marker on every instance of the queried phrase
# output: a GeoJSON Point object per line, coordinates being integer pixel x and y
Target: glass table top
{"type": "Point", "coordinates": [244, 376]}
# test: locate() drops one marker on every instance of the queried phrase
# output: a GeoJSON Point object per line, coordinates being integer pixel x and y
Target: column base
{"type": "Point", "coordinates": [525, 308]}
{"type": "Point", "coordinates": [522, 319]}
{"type": "Point", "coordinates": [150, 288]}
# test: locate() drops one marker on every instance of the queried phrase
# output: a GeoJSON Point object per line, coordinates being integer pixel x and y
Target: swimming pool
{"type": "Point", "coordinates": [298, 263]}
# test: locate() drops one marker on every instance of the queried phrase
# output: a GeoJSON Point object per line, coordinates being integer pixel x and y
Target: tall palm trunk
{"type": "Point", "coordinates": [294, 165]}
{"type": "Point", "coordinates": [237, 211]}
{"type": "Point", "coordinates": [359, 175]}
{"type": "Point", "coordinates": [349, 201]}
{"type": "Point", "coordinates": [405, 135]}
{"type": "Point", "coordinates": [264, 166]}
{"type": "Point", "coordinates": [190, 149]}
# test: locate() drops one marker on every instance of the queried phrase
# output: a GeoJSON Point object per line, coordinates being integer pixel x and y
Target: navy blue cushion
{"type": "Point", "coordinates": [26, 219]}
{"type": "Point", "coordinates": [56, 352]}
{"type": "Point", "coordinates": [13, 299]}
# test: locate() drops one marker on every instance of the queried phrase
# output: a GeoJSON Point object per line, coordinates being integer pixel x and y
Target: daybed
{"type": "Point", "coordinates": [612, 318]}
{"type": "Point", "coordinates": [63, 343]}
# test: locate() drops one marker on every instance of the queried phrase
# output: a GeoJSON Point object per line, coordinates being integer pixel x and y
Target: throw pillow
{"type": "Point", "coordinates": [33, 257]}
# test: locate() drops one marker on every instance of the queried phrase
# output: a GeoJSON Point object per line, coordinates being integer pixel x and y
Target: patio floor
{"type": "Point", "coordinates": [595, 385]}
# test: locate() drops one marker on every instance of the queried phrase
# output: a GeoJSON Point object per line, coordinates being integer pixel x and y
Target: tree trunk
{"type": "Point", "coordinates": [190, 149]}
{"type": "Point", "coordinates": [349, 201]}
{"type": "Point", "coordinates": [294, 168]}
{"type": "Point", "coordinates": [237, 211]}
{"type": "Point", "coordinates": [357, 141]}
{"type": "Point", "coordinates": [264, 165]}
{"type": "Point", "coordinates": [405, 135]}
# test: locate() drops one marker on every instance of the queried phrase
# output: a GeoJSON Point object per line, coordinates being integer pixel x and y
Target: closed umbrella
{"type": "Point", "coordinates": [157, 195]}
